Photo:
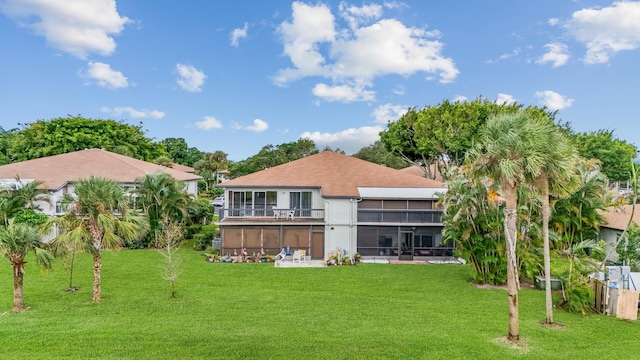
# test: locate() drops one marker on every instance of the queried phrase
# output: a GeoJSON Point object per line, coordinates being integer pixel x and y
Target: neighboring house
{"type": "Point", "coordinates": [616, 221]}
{"type": "Point", "coordinates": [330, 201]}
{"type": "Point", "coordinates": [58, 173]}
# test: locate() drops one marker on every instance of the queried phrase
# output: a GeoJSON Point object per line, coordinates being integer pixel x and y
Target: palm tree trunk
{"type": "Point", "coordinates": [97, 268]}
{"type": "Point", "coordinates": [510, 214]}
{"type": "Point", "coordinates": [18, 277]}
{"type": "Point", "coordinates": [546, 213]}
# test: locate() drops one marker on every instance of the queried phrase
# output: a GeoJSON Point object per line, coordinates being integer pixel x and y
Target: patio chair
{"type": "Point", "coordinates": [291, 214]}
{"type": "Point", "coordinates": [276, 213]}
{"type": "Point", "coordinates": [281, 255]}
{"type": "Point", "coordinates": [299, 255]}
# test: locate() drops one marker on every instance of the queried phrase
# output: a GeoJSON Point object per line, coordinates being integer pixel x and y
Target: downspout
{"type": "Point", "coordinates": [353, 222]}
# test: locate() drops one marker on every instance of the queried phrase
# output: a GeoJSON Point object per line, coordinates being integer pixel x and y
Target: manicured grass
{"type": "Point", "coordinates": [258, 311]}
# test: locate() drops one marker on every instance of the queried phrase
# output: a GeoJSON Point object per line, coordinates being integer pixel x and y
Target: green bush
{"type": "Point", "coordinates": [191, 230]}
{"type": "Point", "coordinates": [202, 240]}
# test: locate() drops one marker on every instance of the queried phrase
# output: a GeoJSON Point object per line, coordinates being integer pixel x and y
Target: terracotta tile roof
{"type": "Point", "coordinates": [618, 217]}
{"type": "Point", "coordinates": [337, 175]}
{"type": "Point", "coordinates": [57, 170]}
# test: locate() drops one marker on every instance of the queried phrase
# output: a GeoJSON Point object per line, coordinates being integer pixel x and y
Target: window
{"type": "Point", "coordinates": [251, 203]}
{"type": "Point", "coordinates": [300, 200]}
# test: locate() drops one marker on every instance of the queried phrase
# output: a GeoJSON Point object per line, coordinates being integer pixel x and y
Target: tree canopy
{"type": "Point", "coordinates": [442, 134]}
{"type": "Point", "coordinates": [270, 156]}
{"type": "Point", "coordinates": [377, 153]}
{"type": "Point", "coordinates": [179, 152]}
{"type": "Point", "coordinates": [614, 154]}
{"type": "Point", "coordinates": [63, 135]}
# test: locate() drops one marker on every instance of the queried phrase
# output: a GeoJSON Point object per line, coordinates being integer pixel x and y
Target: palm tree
{"type": "Point", "coordinates": [19, 196]}
{"type": "Point", "coordinates": [16, 240]}
{"type": "Point", "coordinates": [209, 166]}
{"type": "Point", "coordinates": [161, 195]}
{"type": "Point", "coordinates": [511, 152]}
{"type": "Point", "coordinates": [98, 218]}
{"type": "Point", "coordinates": [559, 177]}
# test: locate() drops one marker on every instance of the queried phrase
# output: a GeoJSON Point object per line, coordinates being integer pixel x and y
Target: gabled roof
{"type": "Point", "coordinates": [55, 171]}
{"type": "Point", "coordinates": [183, 168]}
{"type": "Point", "coordinates": [617, 217]}
{"type": "Point", "coordinates": [335, 174]}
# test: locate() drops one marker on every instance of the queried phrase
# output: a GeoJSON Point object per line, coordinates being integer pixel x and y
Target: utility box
{"type": "Point", "coordinates": [540, 283]}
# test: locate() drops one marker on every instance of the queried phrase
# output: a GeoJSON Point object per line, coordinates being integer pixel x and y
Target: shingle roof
{"type": "Point", "coordinates": [336, 174]}
{"type": "Point", "coordinates": [55, 171]}
{"type": "Point", "coordinates": [417, 170]}
{"type": "Point", "coordinates": [618, 217]}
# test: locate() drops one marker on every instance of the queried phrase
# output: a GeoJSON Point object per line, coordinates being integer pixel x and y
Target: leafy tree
{"type": "Point", "coordinates": [64, 135]}
{"type": "Point", "coordinates": [442, 134]}
{"type": "Point", "coordinates": [5, 145]}
{"type": "Point", "coordinates": [270, 156]}
{"type": "Point", "coordinates": [629, 248]}
{"type": "Point", "coordinates": [511, 152]}
{"type": "Point", "coordinates": [180, 153]}
{"type": "Point", "coordinates": [160, 195]}
{"type": "Point", "coordinates": [378, 154]}
{"type": "Point", "coordinates": [614, 154]}
{"type": "Point", "coordinates": [16, 240]}
{"type": "Point", "coordinates": [98, 218]}
{"type": "Point", "coordinates": [472, 219]}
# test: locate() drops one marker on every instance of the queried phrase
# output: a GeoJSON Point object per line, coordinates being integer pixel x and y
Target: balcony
{"type": "Point", "coordinates": [400, 216]}
{"type": "Point", "coordinates": [272, 215]}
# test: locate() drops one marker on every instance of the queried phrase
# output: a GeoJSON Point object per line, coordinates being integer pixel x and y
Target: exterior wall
{"type": "Point", "coordinates": [340, 225]}
{"type": "Point", "coordinates": [610, 236]}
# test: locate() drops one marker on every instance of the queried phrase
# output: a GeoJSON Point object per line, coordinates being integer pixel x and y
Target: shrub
{"type": "Point", "coordinates": [202, 240]}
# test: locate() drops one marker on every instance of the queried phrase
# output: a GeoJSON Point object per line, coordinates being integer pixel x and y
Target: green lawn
{"type": "Point", "coordinates": [258, 311]}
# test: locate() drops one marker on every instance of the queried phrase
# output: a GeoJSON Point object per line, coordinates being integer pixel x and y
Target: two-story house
{"type": "Point", "coordinates": [330, 201]}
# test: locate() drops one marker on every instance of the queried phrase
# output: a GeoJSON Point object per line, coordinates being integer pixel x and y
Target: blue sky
{"type": "Point", "coordinates": [238, 75]}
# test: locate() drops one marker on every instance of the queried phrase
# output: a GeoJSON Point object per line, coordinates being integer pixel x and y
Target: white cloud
{"type": "Point", "coordinates": [209, 123]}
{"type": "Point", "coordinates": [398, 90]}
{"type": "Point", "coordinates": [258, 126]}
{"type": "Point", "coordinates": [78, 27]}
{"type": "Point", "coordinates": [505, 99]}
{"type": "Point", "coordinates": [370, 47]}
{"type": "Point", "coordinates": [239, 33]}
{"type": "Point", "coordinates": [357, 15]}
{"type": "Point", "coordinates": [190, 78]}
{"type": "Point", "coordinates": [133, 113]}
{"type": "Point", "coordinates": [344, 93]}
{"type": "Point", "coordinates": [605, 31]}
{"type": "Point", "coordinates": [460, 98]}
{"type": "Point", "coordinates": [557, 55]}
{"type": "Point", "coordinates": [350, 140]}
{"type": "Point", "coordinates": [104, 76]}
{"type": "Point", "coordinates": [389, 112]}
{"type": "Point", "coordinates": [552, 100]}
{"type": "Point", "coordinates": [553, 21]}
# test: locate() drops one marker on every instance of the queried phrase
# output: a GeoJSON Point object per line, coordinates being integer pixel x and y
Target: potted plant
{"type": "Point", "coordinates": [357, 257]}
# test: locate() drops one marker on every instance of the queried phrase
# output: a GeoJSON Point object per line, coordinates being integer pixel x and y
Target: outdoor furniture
{"type": "Point", "coordinates": [281, 255]}
{"type": "Point", "coordinates": [291, 214]}
{"type": "Point", "coordinates": [299, 255]}
{"type": "Point", "coordinates": [276, 213]}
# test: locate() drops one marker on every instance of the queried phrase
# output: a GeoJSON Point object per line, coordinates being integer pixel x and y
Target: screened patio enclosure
{"type": "Point", "coordinates": [402, 242]}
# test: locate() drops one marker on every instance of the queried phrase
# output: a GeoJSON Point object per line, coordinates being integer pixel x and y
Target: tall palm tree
{"type": "Point", "coordinates": [161, 195]}
{"type": "Point", "coordinates": [559, 176]}
{"type": "Point", "coordinates": [16, 240]}
{"type": "Point", "coordinates": [98, 218]}
{"type": "Point", "coordinates": [511, 152]}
